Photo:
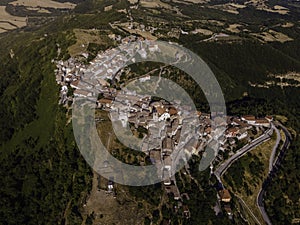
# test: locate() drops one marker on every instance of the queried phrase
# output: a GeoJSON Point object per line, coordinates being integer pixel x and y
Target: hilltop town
{"type": "Point", "coordinates": [156, 122]}
{"type": "Point", "coordinates": [237, 166]}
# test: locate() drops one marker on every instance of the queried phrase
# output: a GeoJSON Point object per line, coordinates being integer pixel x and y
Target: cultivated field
{"type": "Point", "coordinates": [271, 35]}
{"type": "Point", "coordinates": [133, 1]}
{"type": "Point", "coordinates": [287, 25]}
{"type": "Point", "coordinates": [229, 7]}
{"type": "Point", "coordinates": [234, 28]}
{"type": "Point", "coordinates": [202, 31]}
{"type": "Point", "coordinates": [44, 4]}
{"type": "Point", "coordinates": [84, 38]}
{"type": "Point", "coordinates": [10, 22]}
{"type": "Point", "coordinates": [154, 4]}
{"type": "Point", "coordinates": [197, 1]}
{"type": "Point", "coordinates": [38, 9]}
{"type": "Point", "coordinates": [261, 5]}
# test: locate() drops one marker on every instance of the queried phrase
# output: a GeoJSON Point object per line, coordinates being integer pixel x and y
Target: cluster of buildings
{"type": "Point", "coordinates": [84, 80]}
{"type": "Point", "coordinates": [68, 74]}
{"type": "Point", "coordinates": [168, 141]}
{"type": "Point", "coordinates": [225, 197]}
{"type": "Point", "coordinates": [238, 129]}
{"type": "Point", "coordinates": [166, 137]}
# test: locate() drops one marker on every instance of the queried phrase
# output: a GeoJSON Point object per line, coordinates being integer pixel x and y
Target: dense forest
{"type": "Point", "coordinates": [44, 177]}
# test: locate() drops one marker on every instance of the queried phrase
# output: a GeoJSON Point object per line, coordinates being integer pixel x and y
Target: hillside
{"type": "Point", "coordinates": [45, 180]}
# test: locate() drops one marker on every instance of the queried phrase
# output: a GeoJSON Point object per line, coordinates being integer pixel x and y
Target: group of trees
{"type": "Point", "coordinates": [43, 177]}
{"type": "Point", "coordinates": [282, 209]}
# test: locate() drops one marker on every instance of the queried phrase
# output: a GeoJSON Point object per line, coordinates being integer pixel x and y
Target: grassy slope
{"type": "Point", "coordinates": [255, 167]}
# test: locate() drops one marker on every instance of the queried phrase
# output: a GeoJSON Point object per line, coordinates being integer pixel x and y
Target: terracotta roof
{"type": "Point", "coordinates": [172, 111]}
{"type": "Point", "coordinates": [75, 83]}
{"type": "Point", "coordinates": [240, 123]}
{"type": "Point", "coordinates": [248, 117]}
{"type": "Point", "coordinates": [227, 209]}
{"type": "Point", "coordinates": [167, 160]}
{"type": "Point", "coordinates": [176, 137]}
{"type": "Point", "coordinates": [175, 191]}
{"type": "Point", "coordinates": [160, 110]}
{"type": "Point", "coordinates": [225, 195]}
{"type": "Point", "coordinates": [175, 124]}
{"type": "Point", "coordinates": [261, 121]}
{"type": "Point", "coordinates": [168, 143]}
{"type": "Point", "coordinates": [155, 155]}
{"type": "Point", "coordinates": [207, 130]}
{"type": "Point", "coordinates": [233, 130]}
{"type": "Point", "coordinates": [105, 101]}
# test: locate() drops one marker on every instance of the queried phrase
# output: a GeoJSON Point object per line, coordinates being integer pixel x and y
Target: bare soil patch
{"type": "Point", "coordinates": [108, 209]}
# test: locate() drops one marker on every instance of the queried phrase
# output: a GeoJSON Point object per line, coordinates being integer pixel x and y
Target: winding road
{"type": "Point", "coordinates": [273, 167]}
{"type": "Point", "coordinates": [273, 164]}
{"type": "Point", "coordinates": [271, 161]}
{"type": "Point", "coordinates": [224, 166]}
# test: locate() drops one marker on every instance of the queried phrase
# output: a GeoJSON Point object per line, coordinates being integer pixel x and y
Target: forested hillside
{"type": "Point", "coordinates": [44, 179]}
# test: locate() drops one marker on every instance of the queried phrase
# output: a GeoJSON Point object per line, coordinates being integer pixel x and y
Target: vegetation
{"type": "Point", "coordinates": [202, 196]}
{"type": "Point", "coordinates": [44, 178]}
{"type": "Point", "coordinates": [245, 177]}
{"type": "Point", "coordinates": [282, 201]}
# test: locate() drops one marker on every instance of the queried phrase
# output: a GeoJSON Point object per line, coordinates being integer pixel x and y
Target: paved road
{"type": "Point", "coordinates": [260, 205]}
{"type": "Point", "coordinates": [224, 166]}
{"type": "Point", "coordinates": [272, 172]}
{"type": "Point", "coordinates": [273, 165]}
{"type": "Point", "coordinates": [271, 161]}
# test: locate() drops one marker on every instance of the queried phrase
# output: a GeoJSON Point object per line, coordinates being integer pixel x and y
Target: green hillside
{"type": "Point", "coordinates": [44, 179]}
